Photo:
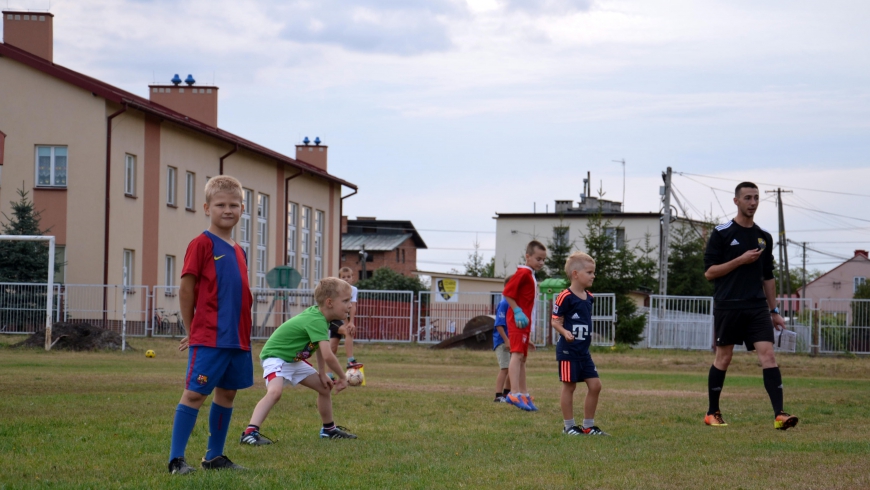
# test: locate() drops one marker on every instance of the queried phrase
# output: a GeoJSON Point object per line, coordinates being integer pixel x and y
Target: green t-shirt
{"type": "Point", "coordinates": [298, 338]}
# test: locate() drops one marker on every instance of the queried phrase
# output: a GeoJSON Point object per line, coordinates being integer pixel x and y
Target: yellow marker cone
{"type": "Point", "coordinates": [363, 371]}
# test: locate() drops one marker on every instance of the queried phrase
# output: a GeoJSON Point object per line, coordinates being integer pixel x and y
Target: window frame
{"type": "Point", "coordinates": [129, 263]}
{"type": "Point", "coordinates": [292, 233]}
{"type": "Point", "coordinates": [129, 175]}
{"type": "Point", "coordinates": [169, 272]}
{"type": "Point", "coordinates": [262, 261]}
{"type": "Point", "coordinates": [857, 282]}
{"type": "Point", "coordinates": [189, 191]}
{"type": "Point", "coordinates": [52, 167]}
{"type": "Point", "coordinates": [305, 248]}
{"type": "Point", "coordinates": [171, 186]}
{"type": "Point", "coordinates": [245, 230]}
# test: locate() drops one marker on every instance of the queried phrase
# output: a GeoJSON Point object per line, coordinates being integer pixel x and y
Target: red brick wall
{"type": "Point", "coordinates": [406, 251]}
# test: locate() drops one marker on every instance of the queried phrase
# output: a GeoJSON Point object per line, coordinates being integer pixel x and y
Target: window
{"type": "Point", "coordinates": [262, 238]}
{"type": "Point", "coordinates": [318, 246]}
{"type": "Point", "coordinates": [169, 269]}
{"type": "Point", "coordinates": [171, 186]}
{"type": "Point", "coordinates": [127, 271]}
{"type": "Point", "coordinates": [403, 255]}
{"type": "Point", "coordinates": [51, 166]}
{"type": "Point", "coordinates": [305, 265]}
{"type": "Point", "coordinates": [245, 224]}
{"type": "Point", "coordinates": [858, 282]}
{"type": "Point", "coordinates": [292, 217]}
{"type": "Point", "coordinates": [616, 235]}
{"type": "Point", "coordinates": [129, 175]}
{"type": "Point", "coordinates": [190, 183]}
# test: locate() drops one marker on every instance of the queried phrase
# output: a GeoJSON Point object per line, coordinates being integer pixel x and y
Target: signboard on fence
{"type": "Point", "coordinates": [446, 290]}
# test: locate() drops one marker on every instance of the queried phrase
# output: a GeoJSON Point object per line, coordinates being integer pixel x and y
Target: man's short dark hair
{"type": "Point", "coordinates": [742, 185]}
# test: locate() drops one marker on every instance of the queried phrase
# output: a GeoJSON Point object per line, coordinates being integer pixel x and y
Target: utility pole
{"type": "Point", "coordinates": [784, 275]}
{"type": "Point", "coordinates": [623, 181]}
{"type": "Point", "coordinates": [666, 232]}
{"type": "Point", "coordinates": [804, 270]}
{"type": "Point", "coordinates": [363, 256]}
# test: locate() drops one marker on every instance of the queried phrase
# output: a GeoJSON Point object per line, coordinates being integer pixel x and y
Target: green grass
{"type": "Point", "coordinates": [426, 420]}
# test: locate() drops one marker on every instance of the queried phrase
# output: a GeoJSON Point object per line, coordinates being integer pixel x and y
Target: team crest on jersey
{"type": "Point", "coordinates": [202, 379]}
{"type": "Point", "coordinates": [305, 353]}
{"type": "Point", "coordinates": [762, 244]}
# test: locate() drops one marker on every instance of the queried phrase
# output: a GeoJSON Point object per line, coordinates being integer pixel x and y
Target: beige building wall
{"type": "Point", "coordinates": [839, 283]}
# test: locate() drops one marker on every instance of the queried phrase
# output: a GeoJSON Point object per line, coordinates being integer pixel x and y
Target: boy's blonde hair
{"type": "Point", "coordinates": [329, 287]}
{"type": "Point", "coordinates": [576, 260]}
{"type": "Point", "coordinates": [534, 245]}
{"type": "Point", "coordinates": [222, 183]}
{"type": "Point", "coordinates": [345, 269]}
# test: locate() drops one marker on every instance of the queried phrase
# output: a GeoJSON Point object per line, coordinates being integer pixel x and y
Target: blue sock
{"type": "Point", "coordinates": [182, 427]}
{"type": "Point", "coordinates": [218, 427]}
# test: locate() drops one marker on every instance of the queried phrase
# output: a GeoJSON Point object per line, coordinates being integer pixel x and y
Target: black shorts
{"type": "Point", "coordinates": [746, 326]}
{"type": "Point", "coordinates": [333, 329]}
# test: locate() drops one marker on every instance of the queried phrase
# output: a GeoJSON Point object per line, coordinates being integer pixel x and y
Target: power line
{"type": "Point", "coordinates": [826, 212]}
{"type": "Point", "coordinates": [778, 185]}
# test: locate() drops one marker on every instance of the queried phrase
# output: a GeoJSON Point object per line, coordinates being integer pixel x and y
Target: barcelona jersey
{"type": "Point", "coordinates": [222, 297]}
{"type": "Point", "coordinates": [576, 314]}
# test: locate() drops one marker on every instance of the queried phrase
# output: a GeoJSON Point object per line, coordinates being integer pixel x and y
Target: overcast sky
{"type": "Point", "coordinates": [445, 112]}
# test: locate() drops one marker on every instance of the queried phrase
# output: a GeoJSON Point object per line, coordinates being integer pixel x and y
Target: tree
{"type": "Point", "coordinates": [386, 279]}
{"type": "Point", "coordinates": [23, 261]}
{"type": "Point", "coordinates": [558, 250]}
{"type": "Point", "coordinates": [618, 270]}
{"type": "Point", "coordinates": [477, 266]}
{"type": "Point", "coordinates": [686, 263]}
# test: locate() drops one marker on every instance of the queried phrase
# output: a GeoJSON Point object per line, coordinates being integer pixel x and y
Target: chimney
{"type": "Point", "coordinates": [312, 154]}
{"type": "Point", "coordinates": [200, 103]}
{"type": "Point", "coordinates": [32, 32]}
{"type": "Point", "coordinates": [862, 253]}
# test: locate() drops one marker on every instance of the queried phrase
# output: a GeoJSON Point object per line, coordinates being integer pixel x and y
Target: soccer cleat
{"type": "Point", "coordinates": [338, 432]}
{"type": "Point", "coordinates": [784, 421]}
{"type": "Point", "coordinates": [530, 402]}
{"type": "Point", "coordinates": [354, 365]}
{"type": "Point", "coordinates": [179, 466]}
{"type": "Point", "coordinates": [593, 431]}
{"type": "Point", "coordinates": [221, 463]}
{"type": "Point", "coordinates": [573, 431]}
{"type": "Point", "coordinates": [255, 439]}
{"type": "Point", "coordinates": [518, 401]}
{"type": "Point", "coordinates": [715, 419]}
{"type": "Point", "coordinates": [499, 399]}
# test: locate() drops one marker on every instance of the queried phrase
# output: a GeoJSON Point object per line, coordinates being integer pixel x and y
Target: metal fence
{"type": "Point", "coordinates": [113, 306]}
{"type": "Point", "coordinates": [23, 308]}
{"type": "Point", "coordinates": [440, 320]}
{"type": "Point", "coordinates": [679, 322]}
{"type": "Point", "coordinates": [844, 325]}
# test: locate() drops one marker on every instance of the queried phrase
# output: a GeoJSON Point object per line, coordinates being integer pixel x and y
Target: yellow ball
{"type": "Point", "coordinates": [150, 353]}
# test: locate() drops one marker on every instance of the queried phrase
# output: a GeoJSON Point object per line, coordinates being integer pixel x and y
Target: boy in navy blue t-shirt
{"type": "Point", "coordinates": [502, 351]}
{"type": "Point", "coordinates": [572, 318]}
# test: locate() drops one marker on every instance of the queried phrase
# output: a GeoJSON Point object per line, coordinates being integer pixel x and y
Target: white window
{"type": "Point", "coordinates": [617, 235]}
{"type": "Point", "coordinates": [305, 265]}
{"type": "Point", "coordinates": [292, 223]}
{"type": "Point", "coordinates": [318, 246]}
{"type": "Point", "coordinates": [171, 186]}
{"type": "Point", "coordinates": [245, 224]}
{"type": "Point", "coordinates": [858, 282]}
{"type": "Point", "coordinates": [262, 239]}
{"type": "Point", "coordinates": [169, 269]}
{"type": "Point", "coordinates": [51, 166]}
{"type": "Point", "coordinates": [128, 269]}
{"type": "Point", "coordinates": [190, 185]}
{"type": "Point", "coordinates": [130, 175]}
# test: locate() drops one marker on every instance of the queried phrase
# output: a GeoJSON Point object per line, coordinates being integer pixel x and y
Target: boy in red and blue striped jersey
{"type": "Point", "coordinates": [572, 318]}
{"type": "Point", "coordinates": [215, 300]}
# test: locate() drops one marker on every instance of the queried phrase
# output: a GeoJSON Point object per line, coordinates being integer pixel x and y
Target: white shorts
{"type": "Point", "coordinates": [292, 372]}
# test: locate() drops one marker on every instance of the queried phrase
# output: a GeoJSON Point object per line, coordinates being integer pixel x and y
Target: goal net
{"type": "Point", "coordinates": [18, 301]}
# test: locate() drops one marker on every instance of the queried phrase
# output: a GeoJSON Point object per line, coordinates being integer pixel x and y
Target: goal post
{"type": "Point", "coordinates": [49, 296]}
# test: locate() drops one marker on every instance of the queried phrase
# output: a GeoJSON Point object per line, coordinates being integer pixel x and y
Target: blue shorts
{"type": "Point", "coordinates": [213, 367]}
{"type": "Point", "coordinates": [577, 370]}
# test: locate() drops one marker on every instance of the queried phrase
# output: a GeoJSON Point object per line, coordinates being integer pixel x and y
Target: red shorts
{"type": "Point", "coordinates": [519, 339]}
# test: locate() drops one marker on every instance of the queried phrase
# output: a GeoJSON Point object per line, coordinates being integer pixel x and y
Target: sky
{"type": "Point", "coordinates": [447, 112]}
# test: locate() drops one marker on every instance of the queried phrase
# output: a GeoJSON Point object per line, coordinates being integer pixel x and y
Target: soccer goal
{"type": "Point", "coordinates": [49, 296]}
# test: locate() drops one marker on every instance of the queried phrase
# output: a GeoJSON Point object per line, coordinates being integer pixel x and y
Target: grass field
{"type": "Point", "coordinates": [427, 420]}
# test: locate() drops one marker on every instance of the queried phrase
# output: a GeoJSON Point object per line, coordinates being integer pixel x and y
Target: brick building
{"type": "Point", "coordinates": [384, 243]}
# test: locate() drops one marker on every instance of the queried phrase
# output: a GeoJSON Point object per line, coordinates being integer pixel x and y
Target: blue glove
{"type": "Point", "coordinates": [520, 318]}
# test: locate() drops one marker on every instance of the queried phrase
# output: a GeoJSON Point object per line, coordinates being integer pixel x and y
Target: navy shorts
{"type": "Point", "coordinates": [735, 327]}
{"type": "Point", "coordinates": [333, 329]}
{"type": "Point", "coordinates": [213, 367]}
{"type": "Point", "coordinates": [577, 370]}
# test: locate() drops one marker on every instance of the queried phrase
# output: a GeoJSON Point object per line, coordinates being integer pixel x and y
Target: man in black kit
{"type": "Point", "coordinates": [739, 261]}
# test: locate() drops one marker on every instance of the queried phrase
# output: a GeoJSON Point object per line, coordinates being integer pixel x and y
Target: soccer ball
{"type": "Point", "coordinates": [354, 377]}
{"type": "Point", "coordinates": [150, 353]}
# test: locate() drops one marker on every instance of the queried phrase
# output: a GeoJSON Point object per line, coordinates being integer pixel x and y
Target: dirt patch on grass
{"type": "Point", "coordinates": [76, 337]}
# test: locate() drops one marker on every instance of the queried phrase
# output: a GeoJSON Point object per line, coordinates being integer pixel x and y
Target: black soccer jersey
{"type": "Point", "coordinates": [742, 287]}
{"type": "Point", "coordinates": [577, 316]}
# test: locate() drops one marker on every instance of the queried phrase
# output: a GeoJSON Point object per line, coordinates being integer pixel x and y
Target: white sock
{"type": "Point", "coordinates": [587, 423]}
{"type": "Point", "coordinates": [569, 423]}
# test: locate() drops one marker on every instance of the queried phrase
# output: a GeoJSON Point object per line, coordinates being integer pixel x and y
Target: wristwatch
{"type": "Point", "coordinates": [775, 311]}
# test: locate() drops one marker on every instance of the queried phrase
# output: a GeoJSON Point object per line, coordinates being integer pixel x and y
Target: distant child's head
{"type": "Point", "coordinates": [580, 269]}
{"type": "Point", "coordinates": [346, 275]}
{"type": "Point", "coordinates": [332, 296]}
{"type": "Point", "coordinates": [223, 201]}
{"type": "Point", "coordinates": [536, 253]}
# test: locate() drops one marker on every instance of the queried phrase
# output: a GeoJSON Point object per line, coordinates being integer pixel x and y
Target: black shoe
{"type": "Point", "coordinates": [221, 463]}
{"type": "Point", "coordinates": [338, 432]}
{"type": "Point", "coordinates": [499, 399]}
{"type": "Point", "coordinates": [255, 439]}
{"type": "Point", "coordinates": [179, 466]}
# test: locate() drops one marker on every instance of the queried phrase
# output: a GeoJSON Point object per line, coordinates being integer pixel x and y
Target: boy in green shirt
{"type": "Point", "coordinates": [285, 359]}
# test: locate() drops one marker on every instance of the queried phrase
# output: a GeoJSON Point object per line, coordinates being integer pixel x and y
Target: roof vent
{"type": "Point", "coordinates": [317, 140]}
{"type": "Point", "coordinates": [176, 79]}
{"type": "Point", "coordinates": [306, 141]}
{"type": "Point", "coordinates": [189, 80]}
